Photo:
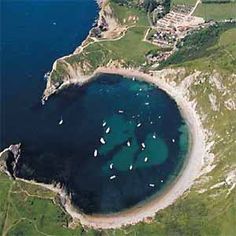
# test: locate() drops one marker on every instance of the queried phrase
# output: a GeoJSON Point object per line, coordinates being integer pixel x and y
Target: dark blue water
{"type": "Point", "coordinates": [33, 34]}
{"type": "Point", "coordinates": [146, 139]}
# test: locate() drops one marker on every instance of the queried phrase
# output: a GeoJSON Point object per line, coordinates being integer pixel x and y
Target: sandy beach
{"type": "Point", "coordinates": [190, 172]}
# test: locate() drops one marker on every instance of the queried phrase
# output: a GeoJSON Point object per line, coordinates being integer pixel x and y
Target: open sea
{"type": "Point", "coordinates": [112, 143]}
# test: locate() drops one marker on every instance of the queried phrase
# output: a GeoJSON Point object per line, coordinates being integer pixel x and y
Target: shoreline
{"type": "Point", "coordinates": [183, 182]}
{"type": "Point", "coordinates": [189, 173]}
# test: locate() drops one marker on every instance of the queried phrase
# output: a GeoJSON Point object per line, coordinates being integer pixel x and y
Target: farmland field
{"type": "Point", "coordinates": [214, 11]}
{"type": "Point", "coordinates": [182, 2]}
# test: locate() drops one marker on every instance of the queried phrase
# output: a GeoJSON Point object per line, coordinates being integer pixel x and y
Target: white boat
{"type": "Point", "coordinates": [146, 103]}
{"type": "Point", "coordinates": [108, 130]}
{"type": "Point", "coordinates": [111, 166]}
{"type": "Point", "coordinates": [152, 185]}
{"type": "Point", "coordinates": [151, 122]}
{"type": "Point", "coordinates": [128, 143]}
{"type": "Point", "coordinates": [54, 23]}
{"type": "Point", "coordinates": [113, 177]}
{"type": "Point", "coordinates": [95, 153]}
{"type": "Point", "coordinates": [162, 180]}
{"type": "Point", "coordinates": [140, 89]}
{"type": "Point", "coordinates": [145, 159]}
{"type": "Point", "coordinates": [130, 167]}
{"type": "Point", "coordinates": [173, 140]}
{"type": "Point", "coordinates": [154, 136]}
{"type": "Point", "coordinates": [61, 121]}
{"type": "Point", "coordinates": [143, 145]}
{"type": "Point", "coordinates": [120, 111]}
{"type": "Point", "coordinates": [102, 141]}
{"type": "Point", "coordinates": [104, 123]}
{"type": "Point", "coordinates": [133, 78]}
{"type": "Point", "coordinates": [139, 124]}
{"type": "Point", "coordinates": [159, 117]}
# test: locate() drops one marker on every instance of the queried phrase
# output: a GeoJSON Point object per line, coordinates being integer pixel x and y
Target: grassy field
{"type": "Point", "coordinates": [204, 43]}
{"type": "Point", "coordinates": [217, 1]}
{"type": "Point", "coordinates": [214, 11]}
{"type": "Point", "coordinates": [129, 50]}
{"type": "Point", "coordinates": [220, 57]}
{"type": "Point", "coordinates": [122, 12]}
{"type": "Point", "coordinates": [183, 2]}
{"type": "Point", "coordinates": [135, 55]}
{"type": "Point", "coordinates": [30, 210]}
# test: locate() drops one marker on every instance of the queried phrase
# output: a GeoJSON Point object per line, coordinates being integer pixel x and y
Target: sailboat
{"type": "Point", "coordinates": [128, 143]}
{"type": "Point", "coordinates": [102, 141]}
{"type": "Point", "coordinates": [95, 153]}
{"type": "Point", "coordinates": [130, 167]}
{"type": "Point", "coordinates": [108, 130]}
{"type": "Point", "coordinates": [113, 177]}
{"type": "Point", "coordinates": [61, 121]}
{"type": "Point", "coordinates": [145, 159]}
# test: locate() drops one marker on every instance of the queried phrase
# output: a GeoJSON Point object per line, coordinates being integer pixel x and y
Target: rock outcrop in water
{"type": "Point", "coordinates": [9, 158]}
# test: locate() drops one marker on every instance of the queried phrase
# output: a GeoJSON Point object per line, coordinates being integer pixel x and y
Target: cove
{"type": "Point", "coordinates": [121, 142]}
{"type": "Point", "coordinates": [39, 33]}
